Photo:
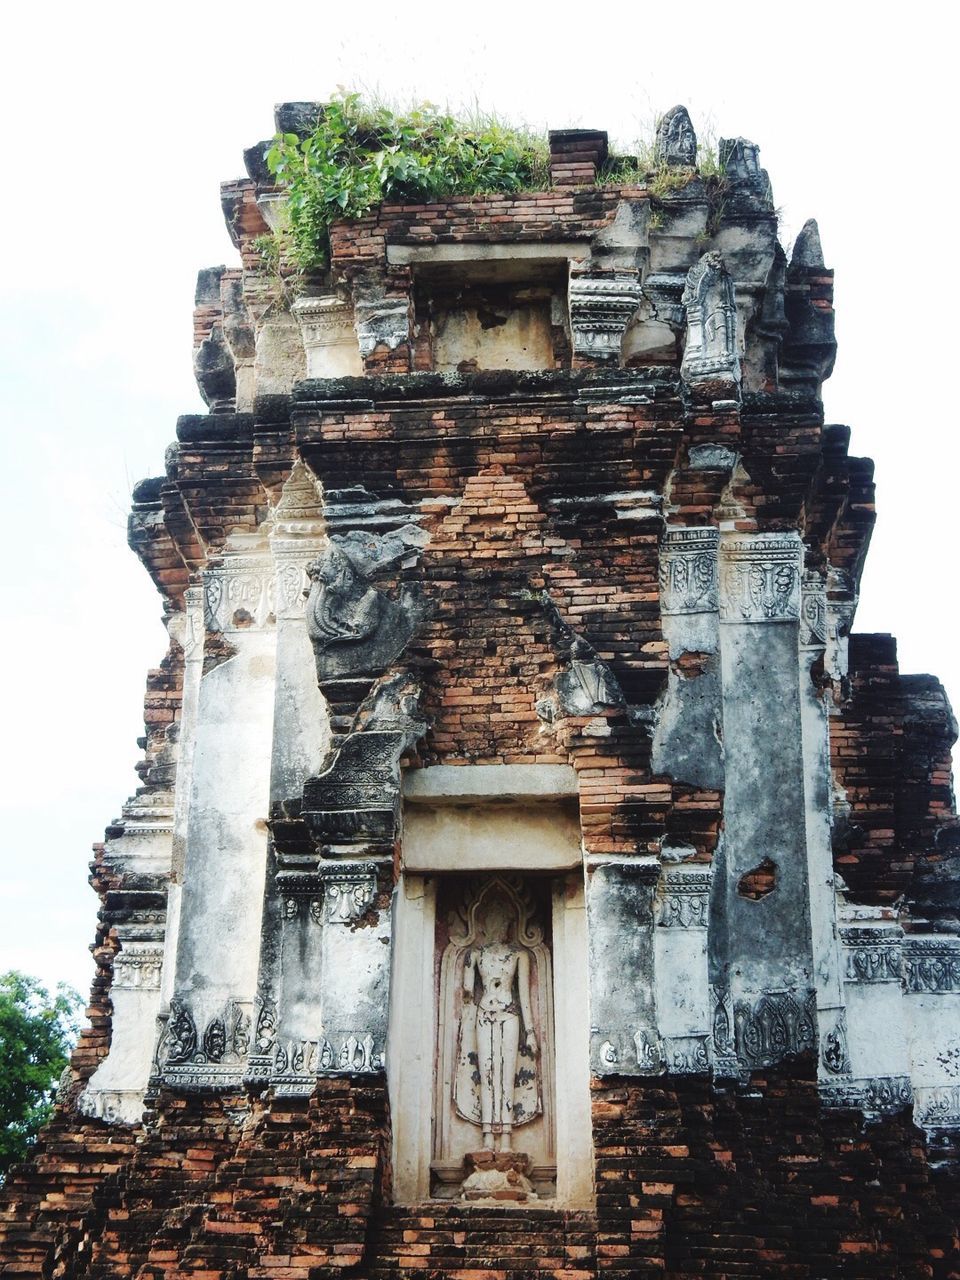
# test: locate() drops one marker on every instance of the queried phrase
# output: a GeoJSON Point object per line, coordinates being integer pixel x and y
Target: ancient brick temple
{"type": "Point", "coordinates": [532, 874]}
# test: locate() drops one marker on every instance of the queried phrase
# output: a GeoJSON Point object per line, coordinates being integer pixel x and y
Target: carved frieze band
{"type": "Point", "coordinates": [874, 1095]}
{"type": "Point", "coordinates": [871, 954]}
{"type": "Point", "coordinates": [601, 307]}
{"type": "Point", "coordinates": [325, 321]}
{"type": "Point", "coordinates": [932, 965]}
{"type": "Point", "coordinates": [688, 570]}
{"type": "Point", "coordinates": [138, 969]}
{"type": "Point", "coordinates": [239, 594]}
{"type": "Point", "coordinates": [292, 1066]}
{"type": "Point", "coordinates": [760, 578]}
{"type": "Point", "coordinates": [937, 1105]}
{"type": "Point", "coordinates": [331, 895]}
{"type": "Point", "coordinates": [193, 1057]}
{"type": "Point", "coordinates": [683, 898]}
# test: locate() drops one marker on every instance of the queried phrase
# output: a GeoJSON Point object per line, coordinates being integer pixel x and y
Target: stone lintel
{"type": "Point", "coordinates": [544, 251]}
{"type": "Point", "coordinates": [466, 784]}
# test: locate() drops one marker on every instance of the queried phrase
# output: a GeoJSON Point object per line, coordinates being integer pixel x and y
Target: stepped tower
{"type": "Point", "coordinates": [533, 873]}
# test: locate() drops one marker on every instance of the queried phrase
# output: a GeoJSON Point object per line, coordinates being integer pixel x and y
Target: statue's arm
{"type": "Point", "coordinates": [526, 1004]}
{"type": "Point", "coordinates": [469, 978]}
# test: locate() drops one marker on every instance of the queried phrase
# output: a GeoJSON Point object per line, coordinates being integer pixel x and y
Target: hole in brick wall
{"type": "Point", "coordinates": [759, 882]}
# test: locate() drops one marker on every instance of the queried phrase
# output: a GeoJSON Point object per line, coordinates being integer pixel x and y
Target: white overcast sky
{"type": "Point", "coordinates": [122, 119]}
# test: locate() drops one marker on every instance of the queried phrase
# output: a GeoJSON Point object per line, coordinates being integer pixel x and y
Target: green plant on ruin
{"type": "Point", "coordinates": [37, 1032]}
{"type": "Point", "coordinates": [360, 155]}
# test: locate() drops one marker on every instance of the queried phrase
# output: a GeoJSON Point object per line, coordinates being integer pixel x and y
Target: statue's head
{"type": "Point", "coordinates": [497, 921]}
{"type": "Point", "coordinates": [332, 568]}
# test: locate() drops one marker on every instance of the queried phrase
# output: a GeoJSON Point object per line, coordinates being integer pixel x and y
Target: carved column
{"type": "Point", "coordinates": [764, 890]}
{"type": "Point", "coordinates": [207, 1036]}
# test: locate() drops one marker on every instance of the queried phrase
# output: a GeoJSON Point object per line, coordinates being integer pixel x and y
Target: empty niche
{"type": "Point", "coordinates": [494, 1108]}
{"type": "Point", "coordinates": [485, 323]}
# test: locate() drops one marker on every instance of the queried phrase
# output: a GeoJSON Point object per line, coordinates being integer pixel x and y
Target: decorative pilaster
{"type": "Point", "coordinates": [682, 912]}
{"type": "Point", "coordinates": [624, 1036]}
{"type": "Point", "coordinates": [207, 1034]}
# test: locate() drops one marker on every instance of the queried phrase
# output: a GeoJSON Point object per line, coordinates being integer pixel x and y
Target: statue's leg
{"type": "Point", "coordinates": [487, 1070]}
{"type": "Point", "coordinates": [509, 1053]}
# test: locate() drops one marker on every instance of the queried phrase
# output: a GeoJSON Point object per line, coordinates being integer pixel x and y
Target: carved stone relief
{"type": "Point", "coordinates": [872, 1095]}
{"type": "Point", "coordinates": [871, 954]}
{"type": "Point", "coordinates": [931, 965]}
{"type": "Point", "coordinates": [329, 337]}
{"type": "Point", "coordinates": [710, 352]}
{"type": "Point", "coordinates": [683, 898]}
{"type": "Point", "coordinates": [495, 1087]}
{"type": "Point", "coordinates": [777, 1025]}
{"type": "Point", "coordinates": [355, 628]}
{"type": "Point", "coordinates": [937, 1105]}
{"type": "Point", "coordinates": [760, 578]}
{"type": "Point", "coordinates": [676, 142]}
{"type": "Point", "coordinates": [725, 1060]}
{"type": "Point", "coordinates": [138, 968]}
{"type": "Point", "coordinates": [833, 1043]}
{"type": "Point", "coordinates": [239, 594]}
{"type": "Point", "coordinates": [813, 611]}
{"type": "Point", "coordinates": [205, 1056]}
{"type": "Point", "coordinates": [688, 570]}
{"type": "Point", "coordinates": [356, 797]}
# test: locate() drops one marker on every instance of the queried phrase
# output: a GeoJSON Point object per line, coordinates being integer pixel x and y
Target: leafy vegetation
{"type": "Point", "coordinates": [360, 155]}
{"type": "Point", "coordinates": [37, 1033]}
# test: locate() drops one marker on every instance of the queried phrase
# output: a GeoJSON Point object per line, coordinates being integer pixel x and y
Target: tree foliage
{"type": "Point", "coordinates": [37, 1032]}
{"type": "Point", "coordinates": [359, 155]}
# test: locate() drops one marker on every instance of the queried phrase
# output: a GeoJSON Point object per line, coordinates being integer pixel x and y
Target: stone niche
{"type": "Point", "coordinates": [488, 1047]}
{"type": "Point", "coordinates": [503, 314]}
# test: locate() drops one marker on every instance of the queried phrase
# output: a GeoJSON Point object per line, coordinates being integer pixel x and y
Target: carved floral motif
{"type": "Point", "coordinates": [688, 570]}
{"type": "Point", "coordinates": [871, 955]}
{"type": "Point", "coordinates": [760, 578]}
{"type": "Point", "coordinates": [874, 1095]}
{"type": "Point", "coordinates": [833, 1046]}
{"type": "Point", "coordinates": [683, 899]}
{"type": "Point", "coordinates": [932, 966]}
{"type": "Point", "coordinates": [778, 1024]}
{"type": "Point", "coordinates": [239, 594]}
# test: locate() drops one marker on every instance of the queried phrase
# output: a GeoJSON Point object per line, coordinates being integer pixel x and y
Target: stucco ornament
{"type": "Point", "coordinates": [497, 1080]}
{"type": "Point", "coordinates": [354, 627]}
